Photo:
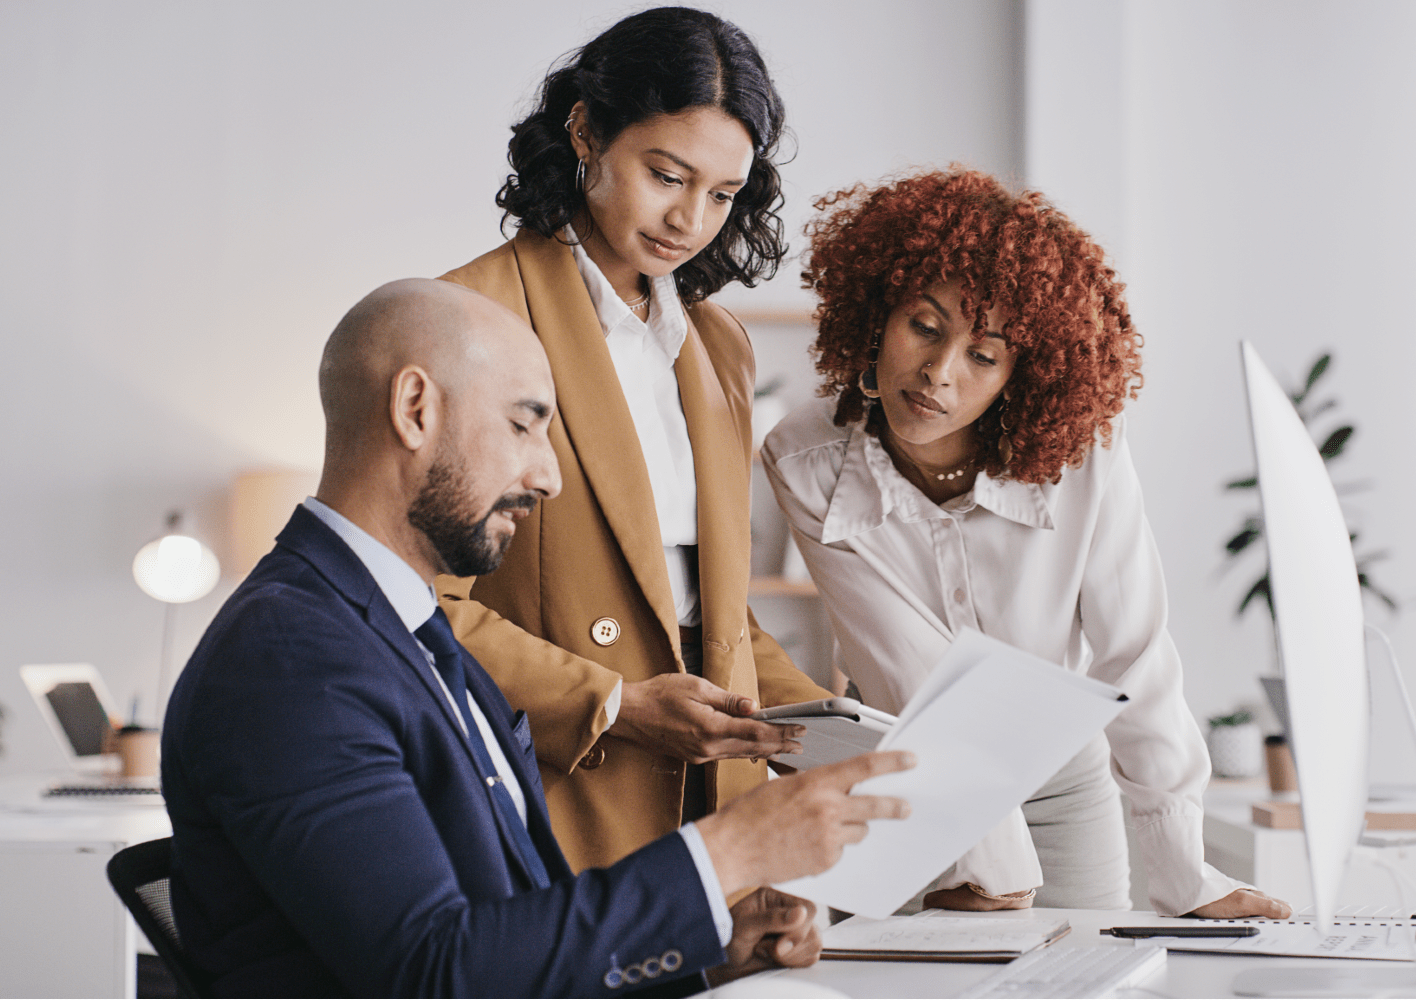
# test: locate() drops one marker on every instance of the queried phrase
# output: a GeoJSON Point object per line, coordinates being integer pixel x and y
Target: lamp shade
{"type": "Point", "coordinates": [176, 569]}
{"type": "Point", "coordinates": [261, 502]}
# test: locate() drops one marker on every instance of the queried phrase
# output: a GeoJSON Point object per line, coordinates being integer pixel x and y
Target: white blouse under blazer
{"type": "Point", "coordinates": [1067, 571]}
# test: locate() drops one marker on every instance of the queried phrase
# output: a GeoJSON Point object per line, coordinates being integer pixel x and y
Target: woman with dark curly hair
{"type": "Point", "coordinates": [642, 182]}
{"type": "Point", "coordinates": [968, 468]}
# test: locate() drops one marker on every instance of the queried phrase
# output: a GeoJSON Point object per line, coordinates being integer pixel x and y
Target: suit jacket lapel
{"type": "Point", "coordinates": [723, 519]}
{"type": "Point", "coordinates": [326, 552]}
{"type": "Point", "coordinates": [493, 704]}
{"type": "Point", "coordinates": [595, 415]}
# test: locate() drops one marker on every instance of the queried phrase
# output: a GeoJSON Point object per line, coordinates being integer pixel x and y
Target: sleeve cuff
{"type": "Point", "coordinates": [612, 704]}
{"type": "Point", "coordinates": [708, 875]}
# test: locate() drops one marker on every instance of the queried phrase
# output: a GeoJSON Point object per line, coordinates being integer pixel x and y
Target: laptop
{"type": "Point", "coordinates": [74, 703]}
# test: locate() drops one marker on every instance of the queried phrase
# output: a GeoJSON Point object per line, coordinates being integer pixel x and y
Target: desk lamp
{"type": "Point", "coordinates": [174, 569]}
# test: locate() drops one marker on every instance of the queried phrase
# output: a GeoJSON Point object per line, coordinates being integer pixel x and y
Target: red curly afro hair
{"type": "Point", "coordinates": [1078, 357]}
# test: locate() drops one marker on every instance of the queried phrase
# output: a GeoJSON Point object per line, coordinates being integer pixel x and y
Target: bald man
{"type": "Point", "coordinates": [355, 807]}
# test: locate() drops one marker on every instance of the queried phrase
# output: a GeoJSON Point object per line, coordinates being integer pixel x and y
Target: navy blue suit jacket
{"type": "Point", "coordinates": [332, 833]}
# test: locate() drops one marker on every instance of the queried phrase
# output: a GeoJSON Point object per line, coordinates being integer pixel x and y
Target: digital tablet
{"type": "Point", "coordinates": [836, 729]}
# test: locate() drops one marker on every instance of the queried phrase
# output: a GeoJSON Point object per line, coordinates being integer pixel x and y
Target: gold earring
{"type": "Point", "coordinates": [869, 386]}
{"type": "Point", "coordinates": [1005, 441]}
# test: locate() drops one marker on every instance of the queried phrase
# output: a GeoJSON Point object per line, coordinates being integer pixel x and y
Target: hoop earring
{"type": "Point", "coordinates": [869, 386]}
{"type": "Point", "coordinates": [580, 176]}
{"type": "Point", "coordinates": [1005, 441]}
{"type": "Point", "coordinates": [569, 121]}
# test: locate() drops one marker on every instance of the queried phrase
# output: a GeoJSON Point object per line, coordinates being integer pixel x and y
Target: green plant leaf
{"type": "Point", "coordinates": [1365, 582]}
{"type": "Point", "coordinates": [1316, 372]}
{"type": "Point", "coordinates": [1243, 484]}
{"type": "Point", "coordinates": [1259, 589]}
{"type": "Point", "coordinates": [1244, 539]}
{"type": "Point", "coordinates": [767, 388]}
{"type": "Point", "coordinates": [1239, 718]}
{"type": "Point", "coordinates": [1336, 441]}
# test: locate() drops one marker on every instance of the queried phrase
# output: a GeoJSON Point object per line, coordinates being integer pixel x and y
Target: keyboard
{"type": "Point", "coordinates": [1089, 971]}
{"type": "Point", "coordinates": [104, 790]}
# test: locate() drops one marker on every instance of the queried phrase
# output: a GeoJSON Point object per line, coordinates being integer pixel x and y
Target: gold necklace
{"type": "Point", "coordinates": [924, 470]}
{"type": "Point", "coordinates": [635, 304]}
{"type": "Point", "coordinates": [944, 474]}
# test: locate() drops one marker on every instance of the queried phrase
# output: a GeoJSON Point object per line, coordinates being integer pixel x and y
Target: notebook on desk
{"type": "Point", "coordinates": [75, 704]}
{"type": "Point", "coordinates": [938, 936]}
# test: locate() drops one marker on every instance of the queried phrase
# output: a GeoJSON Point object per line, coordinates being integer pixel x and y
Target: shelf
{"type": "Point", "coordinates": [778, 586]}
{"type": "Point", "coordinates": [773, 317]}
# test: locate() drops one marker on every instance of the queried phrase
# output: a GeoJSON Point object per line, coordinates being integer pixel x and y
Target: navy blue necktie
{"type": "Point", "coordinates": [436, 635]}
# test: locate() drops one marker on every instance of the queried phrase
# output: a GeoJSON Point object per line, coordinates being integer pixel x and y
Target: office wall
{"type": "Point", "coordinates": [1248, 164]}
{"type": "Point", "coordinates": [192, 194]}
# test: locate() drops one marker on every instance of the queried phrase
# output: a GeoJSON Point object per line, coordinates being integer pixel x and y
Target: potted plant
{"type": "Point", "coordinates": [1236, 747]}
{"type": "Point", "coordinates": [1331, 445]}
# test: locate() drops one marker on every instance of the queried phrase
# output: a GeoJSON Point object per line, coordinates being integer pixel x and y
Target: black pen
{"type": "Point", "coordinates": [1209, 930]}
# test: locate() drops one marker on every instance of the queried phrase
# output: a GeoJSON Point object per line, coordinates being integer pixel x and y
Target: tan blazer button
{"type": "Point", "coordinates": [593, 758]}
{"type": "Point", "coordinates": [605, 631]}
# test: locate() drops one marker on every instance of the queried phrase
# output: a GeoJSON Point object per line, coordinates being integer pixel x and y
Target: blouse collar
{"type": "Point", "coordinates": [666, 322]}
{"type": "Point", "coordinates": [870, 489]}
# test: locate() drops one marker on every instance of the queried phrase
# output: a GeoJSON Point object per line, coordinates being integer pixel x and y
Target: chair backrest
{"type": "Point", "coordinates": [140, 876]}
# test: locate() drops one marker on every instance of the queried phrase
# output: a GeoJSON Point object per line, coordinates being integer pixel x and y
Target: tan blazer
{"type": "Point", "coordinates": [595, 553]}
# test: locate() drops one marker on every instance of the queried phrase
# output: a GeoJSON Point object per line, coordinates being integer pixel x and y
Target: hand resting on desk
{"type": "Point", "coordinates": [1244, 903]}
{"type": "Point", "coordinates": [1239, 903]}
{"type": "Point", "coordinates": [770, 929]}
{"type": "Point", "coordinates": [963, 897]}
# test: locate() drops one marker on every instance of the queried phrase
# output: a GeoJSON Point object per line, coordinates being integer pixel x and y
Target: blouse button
{"type": "Point", "coordinates": [959, 596]}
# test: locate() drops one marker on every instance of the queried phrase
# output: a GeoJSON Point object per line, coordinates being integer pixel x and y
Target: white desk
{"type": "Point", "coordinates": [1277, 860]}
{"type": "Point", "coordinates": [1185, 975]}
{"type": "Point", "coordinates": [63, 931]}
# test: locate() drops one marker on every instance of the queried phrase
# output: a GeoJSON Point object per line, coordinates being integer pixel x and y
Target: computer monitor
{"type": "Point", "coordinates": [1318, 619]}
{"type": "Point", "coordinates": [73, 701]}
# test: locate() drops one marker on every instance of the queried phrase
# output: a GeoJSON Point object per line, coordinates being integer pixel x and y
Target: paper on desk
{"type": "Point", "coordinates": [1390, 940]}
{"type": "Point", "coordinates": [990, 725]}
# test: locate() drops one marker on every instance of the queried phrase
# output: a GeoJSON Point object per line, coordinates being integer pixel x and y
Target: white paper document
{"type": "Point", "coordinates": [990, 725]}
{"type": "Point", "coordinates": [1391, 940]}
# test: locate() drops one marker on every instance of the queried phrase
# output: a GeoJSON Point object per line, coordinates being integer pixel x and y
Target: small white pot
{"type": "Point", "coordinates": [1236, 751]}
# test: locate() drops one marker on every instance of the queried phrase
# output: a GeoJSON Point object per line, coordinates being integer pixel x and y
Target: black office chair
{"type": "Point", "coordinates": [139, 874]}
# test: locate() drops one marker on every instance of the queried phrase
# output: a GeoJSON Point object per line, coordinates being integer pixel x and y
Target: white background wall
{"type": "Point", "coordinates": [1249, 164]}
{"type": "Point", "coordinates": [192, 194]}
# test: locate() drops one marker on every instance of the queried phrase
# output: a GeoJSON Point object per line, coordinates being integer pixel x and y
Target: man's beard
{"type": "Point", "coordinates": [439, 513]}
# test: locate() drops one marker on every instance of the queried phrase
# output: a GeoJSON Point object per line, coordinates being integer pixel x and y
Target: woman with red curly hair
{"type": "Point", "coordinates": [968, 468]}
